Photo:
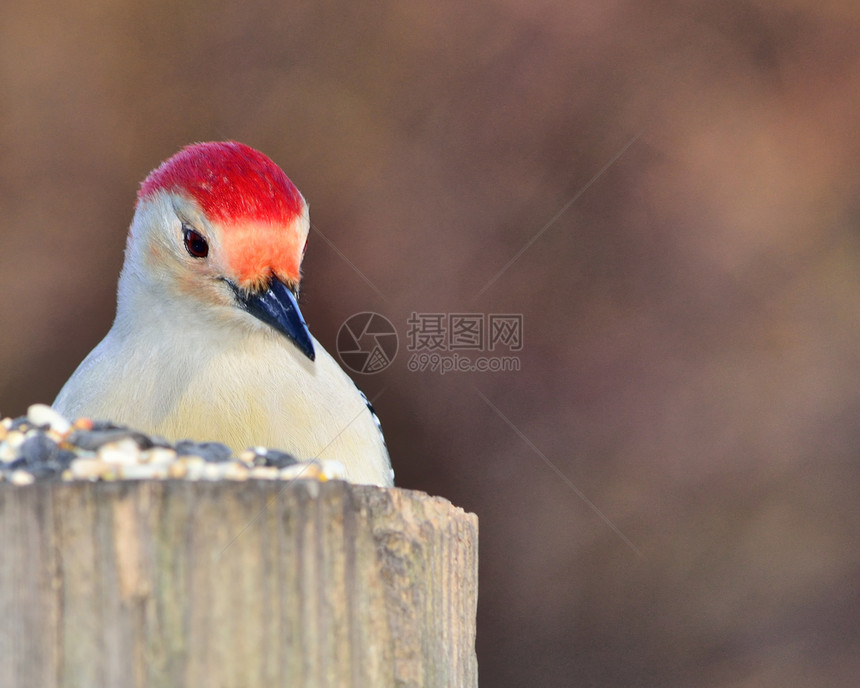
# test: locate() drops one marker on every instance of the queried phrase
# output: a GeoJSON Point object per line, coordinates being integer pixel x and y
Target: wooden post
{"type": "Point", "coordinates": [251, 584]}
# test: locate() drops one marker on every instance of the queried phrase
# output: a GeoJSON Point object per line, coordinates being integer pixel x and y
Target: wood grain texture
{"type": "Point", "coordinates": [235, 585]}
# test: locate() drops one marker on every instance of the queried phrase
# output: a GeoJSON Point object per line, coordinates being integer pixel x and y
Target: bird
{"type": "Point", "coordinates": [208, 341]}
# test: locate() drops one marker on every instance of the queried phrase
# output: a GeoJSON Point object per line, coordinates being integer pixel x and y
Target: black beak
{"type": "Point", "coordinates": [276, 306]}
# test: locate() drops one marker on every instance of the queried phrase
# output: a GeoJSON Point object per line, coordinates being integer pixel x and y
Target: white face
{"type": "Point", "coordinates": [156, 252]}
{"type": "Point", "coordinates": [176, 258]}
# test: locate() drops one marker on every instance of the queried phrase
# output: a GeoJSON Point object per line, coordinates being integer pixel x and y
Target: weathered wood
{"type": "Point", "coordinates": [234, 584]}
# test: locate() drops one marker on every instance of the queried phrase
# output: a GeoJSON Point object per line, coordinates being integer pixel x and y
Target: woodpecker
{"type": "Point", "coordinates": [208, 341]}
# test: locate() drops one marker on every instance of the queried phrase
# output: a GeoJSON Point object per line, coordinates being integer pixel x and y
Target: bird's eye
{"type": "Point", "coordinates": [195, 244]}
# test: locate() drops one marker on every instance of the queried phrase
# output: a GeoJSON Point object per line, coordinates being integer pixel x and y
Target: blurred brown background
{"type": "Point", "coordinates": [690, 359]}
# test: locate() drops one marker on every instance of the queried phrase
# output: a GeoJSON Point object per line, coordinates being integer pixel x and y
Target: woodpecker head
{"type": "Point", "coordinates": [221, 228]}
